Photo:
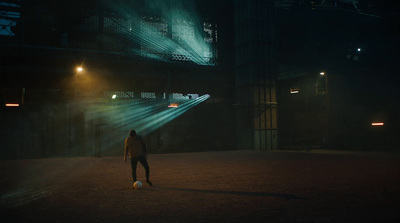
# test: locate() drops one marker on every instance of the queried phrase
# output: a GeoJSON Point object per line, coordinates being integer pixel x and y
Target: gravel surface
{"type": "Point", "coordinates": [231, 186]}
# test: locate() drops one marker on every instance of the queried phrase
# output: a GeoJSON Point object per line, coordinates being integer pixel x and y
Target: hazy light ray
{"type": "Point", "coordinates": [127, 125]}
{"type": "Point", "coordinates": [155, 124]}
{"type": "Point", "coordinates": [112, 113]}
{"type": "Point", "coordinates": [139, 109]}
{"type": "Point", "coordinates": [194, 47]}
{"type": "Point", "coordinates": [180, 107]}
{"type": "Point", "coordinates": [162, 118]}
{"type": "Point", "coordinates": [158, 117]}
{"type": "Point", "coordinates": [130, 117]}
{"type": "Point", "coordinates": [140, 118]}
{"type": "Point", "coordinates": [125, 105]}
{"type": "Point", "coordinates": [144, 124]}
{"type": "Point", "coordinates": [185, 47]}
{"type": "Point", "coordinates": [136, 36]}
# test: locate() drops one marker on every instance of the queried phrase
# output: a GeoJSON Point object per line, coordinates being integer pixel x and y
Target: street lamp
{"type": "Point", "coordinates": [322, 73]}
{"type": "Point", "coordinates": [79, 69]}
{"type": "Point", "coordinates": [325, 76]}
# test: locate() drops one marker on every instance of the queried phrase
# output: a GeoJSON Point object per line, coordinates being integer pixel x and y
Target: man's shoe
{"type": "Point", "coordinates": [149, 182]}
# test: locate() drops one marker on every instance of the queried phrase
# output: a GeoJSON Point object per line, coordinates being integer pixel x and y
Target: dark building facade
{"type": "Point", "coordinates": [243, 75]}
{"type": "Point", "coordinates": [335, 86]}
{"type": "Point", "coordinates": [136, 61]}
{"type": "Point", "coordinates": [255, 69]}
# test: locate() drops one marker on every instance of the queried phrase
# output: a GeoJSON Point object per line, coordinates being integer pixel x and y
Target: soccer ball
{"type": "Point", "coordinates": [137, 185]}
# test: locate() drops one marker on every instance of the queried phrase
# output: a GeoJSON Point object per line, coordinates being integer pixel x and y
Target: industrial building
{"type": "Point", "coordinates": [76, 76]}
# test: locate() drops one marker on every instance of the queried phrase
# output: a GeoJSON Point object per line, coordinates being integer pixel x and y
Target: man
{"type": "Point", "coordinates": [135, 145]}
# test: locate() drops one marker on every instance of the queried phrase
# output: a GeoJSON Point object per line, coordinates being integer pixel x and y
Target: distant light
{"type": "Point", "coordinates": [79, 69]}
{"type": "Point", "coordinates": [377, 124]}
{"type": "Point", "coordinates": [173, 105]}
{"type": "Point", "coordinates": [359, 49]}
{"type": "Point", "coordinates": [322, 73]}
{"type": "Point", "coordinates": [114, 96]}
{"type": "Point", "coordinates": [12, 105]}
{"type": "Point", "coordinates": [294, 90]}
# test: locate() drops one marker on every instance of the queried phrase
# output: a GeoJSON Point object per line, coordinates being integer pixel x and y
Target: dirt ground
{"type": "Point", "coordinates": [233, 186]}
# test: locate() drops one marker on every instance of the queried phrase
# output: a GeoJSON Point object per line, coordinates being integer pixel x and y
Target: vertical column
{"type": "Point", "coordinates": [255, 74]}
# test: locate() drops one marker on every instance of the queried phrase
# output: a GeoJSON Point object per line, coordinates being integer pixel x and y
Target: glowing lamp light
{"type": "Point", "coordinates": [79, 69]}
{"type": "Point", "coordinates": [359, 49]}
{"type": "Point", "coordinates": [12, 105]}
{"type": "Point", "coordinates": [377, 124]}
{"type": "Point", "coordinates": [114, 96]}
{"type": "Point", "coordinates": [173, 105]}
{"type": "Point", "coordinates": [322, 73]}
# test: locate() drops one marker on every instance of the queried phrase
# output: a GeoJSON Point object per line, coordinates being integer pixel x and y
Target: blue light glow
{"type": "Point", "coordinates": [176, 34]}
{"type": "Point", "coordinates": [143, 115]}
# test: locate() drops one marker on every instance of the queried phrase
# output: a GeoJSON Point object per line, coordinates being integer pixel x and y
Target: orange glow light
{"type": "Point", "coordinates": [377, 123]}
{"type": "Point", "coordinates": [12, 105]}
{"type": "Point", "coordinates": [173, 105]}
{"type": "Point", "coordinates": [79, 69]}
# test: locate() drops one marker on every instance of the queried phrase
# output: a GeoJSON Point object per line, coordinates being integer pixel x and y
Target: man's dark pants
{"type": "Point", "coordinates": [143, 161]}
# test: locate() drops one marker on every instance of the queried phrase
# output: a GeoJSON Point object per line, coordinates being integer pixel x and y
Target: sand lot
{"type": "Point", "coordinates": [231, 186]}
